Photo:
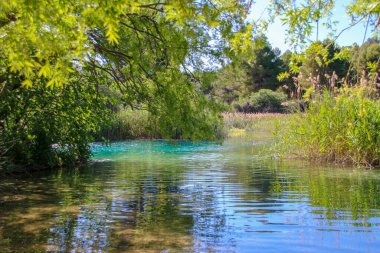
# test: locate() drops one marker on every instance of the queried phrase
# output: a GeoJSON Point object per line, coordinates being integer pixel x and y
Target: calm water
{"type": "Point", "coordinates": [155, 196]}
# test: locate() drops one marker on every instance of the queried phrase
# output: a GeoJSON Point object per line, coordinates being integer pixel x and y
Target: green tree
{"type": "Point", "coordinates": [321, 67]}
{"type": "Point", "coordinates": [287, 80]}
{"type": "Point", "coordinates": [54, 53]}
{"type": "Point", "coordinates": [263, 66]}
{"type": "Point", "coordinates": [51, 38]}
{"type": "Point", "coordinates": [366, 63]}
{"type": "Point", "coordinates": [49, 127]}
{"type": "Point", "coordinates": [302, 17]}
{"type": "Point", "coordinates": [253, 70]}
{"type": "Point", "coordinates": [230, 84]}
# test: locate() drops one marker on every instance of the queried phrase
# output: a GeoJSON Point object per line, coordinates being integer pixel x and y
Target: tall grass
{"type": "Point", "coordinates": [248, 121]}
{"type": "Point", "coordinates": [130, 124]}
{"type": "Point", "coordinates": [138, 124]}
{"type": "Point", "coordinates": [342, 129]}
{"type": "Point", "coordinates": [252, 124]}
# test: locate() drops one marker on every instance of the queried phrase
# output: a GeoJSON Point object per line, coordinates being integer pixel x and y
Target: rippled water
{"type": "Point", "coordinates": [157, 196]}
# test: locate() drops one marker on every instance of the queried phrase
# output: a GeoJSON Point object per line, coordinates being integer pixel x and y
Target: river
{"type": "Point", "coordinates": [159, 196]}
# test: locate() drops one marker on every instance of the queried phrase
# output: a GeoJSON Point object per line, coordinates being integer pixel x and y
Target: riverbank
{"type": "Point", "coordinates": [129, 125]}
{"type": "Point", "coordinates": [132, 125]}
{"type": "Point", "coordinates": [253, 124]}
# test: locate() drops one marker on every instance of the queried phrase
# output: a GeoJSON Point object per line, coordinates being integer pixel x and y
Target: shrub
{"type": "Point", "coordinates": [294, 106]}
{"type": "Point", "coordinates": [263, 101]}
{"type": "Point", "coordinates": [343, 129]}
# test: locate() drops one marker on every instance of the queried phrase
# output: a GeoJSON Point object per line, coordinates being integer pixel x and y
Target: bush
{"type": "Point", "coordinates": [263, 101]}
{"type": "Point", "coordinates": [294, 106]}
{"type": "Point", "coordinates": [342, 129]}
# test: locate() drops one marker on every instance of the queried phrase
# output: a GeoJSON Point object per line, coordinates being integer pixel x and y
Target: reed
{"type": "Point", "coordinates": [249, 121]}
{"type": "Point", "coordinates": [342, 129]}
{"type": "Point", "coordinates": [130, 124]}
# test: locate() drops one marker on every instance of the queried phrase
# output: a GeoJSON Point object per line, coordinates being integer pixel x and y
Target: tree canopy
{"type": "Point", "coordinates": [264, 65]}
{"type": "Point", "coordinates": [301, 17]}
{"type": "Point", "coordinates": [50, 39]}
{"type": "Point", "coordinates": [61, 61]}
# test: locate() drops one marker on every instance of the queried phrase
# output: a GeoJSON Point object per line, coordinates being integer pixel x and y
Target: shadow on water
{"type": "Point", "coordinates": [154, 196]}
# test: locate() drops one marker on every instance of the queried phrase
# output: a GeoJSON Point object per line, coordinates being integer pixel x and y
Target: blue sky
{"type": "Point", "coordinates": [276, 32]}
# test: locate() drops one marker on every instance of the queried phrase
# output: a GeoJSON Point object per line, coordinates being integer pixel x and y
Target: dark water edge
{"type": "Point", "coordinates": [158, 196]}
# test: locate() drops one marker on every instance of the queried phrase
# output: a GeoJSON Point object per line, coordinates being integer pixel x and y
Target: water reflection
{"type": "Point", "coordinates": [145, 196]}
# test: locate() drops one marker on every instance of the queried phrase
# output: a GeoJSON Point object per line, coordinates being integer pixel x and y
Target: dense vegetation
{"type": "Point", "coordinates": [343, 129]}
{"type": "Point", "coordinates": [321, 66]}
{"type": "Point", "coordinates": [339, 89]}
{"type": "Point", "coordinates": [74, 72]}
{"type": "Point", "coordinates": [46, 127]}
{"type": "Point", "coordinates": [68, 67]}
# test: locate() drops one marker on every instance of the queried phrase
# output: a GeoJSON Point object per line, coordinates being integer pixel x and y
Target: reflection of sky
{"type": "Point", "coordinates": [229, 217]}
{"type": "Point", "coordinates": [88, 230]}
{"type": "Point", "coordinates": [276, 32]}
{"type": "Point", "coordinates": [209, 198]}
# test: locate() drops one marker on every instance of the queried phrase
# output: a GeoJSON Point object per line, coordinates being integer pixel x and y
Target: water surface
{"type": "Point", "coordinates": [158, 196]}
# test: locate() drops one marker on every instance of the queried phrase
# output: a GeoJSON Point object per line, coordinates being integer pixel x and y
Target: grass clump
{"type": "Point", "coordinates": [341, 129]}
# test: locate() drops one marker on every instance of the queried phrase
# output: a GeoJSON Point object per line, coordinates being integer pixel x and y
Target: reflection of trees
{"type": "Point", "coordinates": [145, 206]}
{"type": "Point", "coordinates": [203, 199]}
{"type": "Point", "coordinates": [338, 191]}
{"type": "Point", "coordinates": [334, 189]}
{"type": "Point", "coordinates": [151, 197]}
{"type": "Point", "coordinates": [23, 226]}
{"type": "Point", "coordinates": [136, 207]}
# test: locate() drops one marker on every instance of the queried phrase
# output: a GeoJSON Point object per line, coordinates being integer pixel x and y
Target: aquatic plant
{"type": "Point", "coordinates": [342, 129]}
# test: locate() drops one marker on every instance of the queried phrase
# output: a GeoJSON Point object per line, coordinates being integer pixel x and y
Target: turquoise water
{"type": "Point", "coordinates": [158, 196]}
